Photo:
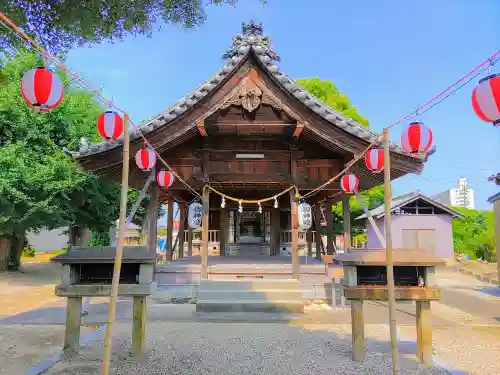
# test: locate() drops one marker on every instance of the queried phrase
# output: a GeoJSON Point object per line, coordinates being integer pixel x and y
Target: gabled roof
{"type": "Point", "coordinates": [494, 198]}
{"type": "Point", "coordinates": [403, 200]}
{"type": "Point", "coordinates": [251, 41]}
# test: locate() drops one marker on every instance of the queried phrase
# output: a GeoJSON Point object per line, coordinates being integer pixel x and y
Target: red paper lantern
{"type": "Point", "coordinates": [145, 158]}
{"type": "Point", "coordinates": [349, 183]}
{"type": "Point", "coordinates": [42, 89]}
{"type": "Point", "coordinates": [110, 125]}
{"type": "Point", "coordinates": [417, 138]}
{"type": "Point", "coordinates": [165, 178]}
{"type": "Point", "coordinates": [486, 99]}
{"type": "Point", "coordinates": [374, 159]}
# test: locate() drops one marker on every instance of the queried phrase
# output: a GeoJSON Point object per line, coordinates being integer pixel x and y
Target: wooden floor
{"type": "Point", "coordinates": [188, 269]}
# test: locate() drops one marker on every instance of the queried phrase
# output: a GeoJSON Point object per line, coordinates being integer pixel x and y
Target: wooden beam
{"type": "Point", "coordinates": [170, 229]}
{"type": "Point", "coordinates": [200, 124]}
{"type": "Point", "coordinates": [152, 217]}
{"type": "Point", "coordinates": [358, 330]}
{"type": "Point", "coordinates": [182, 227]}
{"type": "Point", "coordinates": [347, 222]}
{"type": "Point", "coordinates": [317, 228]}
{"type": "Point", "coordinates": [424, 332]}
{"type": "Point", "coordinates": [190, 242]}
{"type": "Point", "coordinates": [329, 228]}
{"type": "Point", "coordinates": [295, 236]}
{"type": "Point", "coordinates": [224, 231]}
{"type": "Point", "coordinates": [204, 234]}
{"type": "Point", "coordinates": [139, 325]}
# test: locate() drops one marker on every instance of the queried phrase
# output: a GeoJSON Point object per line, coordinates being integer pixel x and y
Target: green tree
{"type": "Point", "coordinates": [474, 234]}
{"type": "Point", "coordinates": [61, 24]}
{"type": "Point", "coordinates": [327, 92]}
{"type": "Point", "coordinates": [40, 187]}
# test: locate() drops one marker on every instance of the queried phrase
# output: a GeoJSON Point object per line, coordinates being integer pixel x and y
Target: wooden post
{"type": "Point", "coordinates": [170, 230]}
{"type": "Point", "coordinates": [329, 228]}
{"type": "Point", "coordinates": [388, 248]}
{"type": "Point", "coordinates": [275, 232]}
{"type": "Point", "coordinates": [317, 227]}
{"type": "Point", "coordinates": [424, 332]}
{"type": "Point", "coordinates": [182, 228]}
{"type": "Point", "coordinates": [204, 234]}
{"type": "Point", "coordinates": [309, 239]}
{"type": "Point", "coordinates": [139, 325]}
{"type": "Point", "coordinates": [295, 236]}
{"type": "Point", "coordinates": [347, 222]}
{"type": "Point", "coordinates": [358, 330]}
{"type": "Point", "coordinates": [119, 250]}
{"type": "Point", "coordinates": [73, 322]}
{"type": "Point", "coordinates": [153, 218]}
{"type": "Point", "coordinates": [190, 242]}
{"type": "Point", "coordinates": [496, 213]}
{"type": "Point", "coordinates": [224, 231]}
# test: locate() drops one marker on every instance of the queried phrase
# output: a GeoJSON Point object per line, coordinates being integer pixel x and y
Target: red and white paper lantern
{"type": "Point", "coordinates": [42, 89]}
{"type": "Point", "coordinates": [374, 159]}
{"type": "Point", "coordinates": [165, 178]}
{"type": "Point", "coordinates": [110, 125]}
{"type": "Point", "coordinates": [417, 138]}
{"type": "Point", "coordinates": [145, 158]}
{"type": "Point", "coordinates": [486, 99]}
{"type": "Point", "coordinates": [349, 183]}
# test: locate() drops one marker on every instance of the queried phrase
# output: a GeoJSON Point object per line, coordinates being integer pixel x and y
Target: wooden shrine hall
{"type": "Point", "coordinates": [249, 132]}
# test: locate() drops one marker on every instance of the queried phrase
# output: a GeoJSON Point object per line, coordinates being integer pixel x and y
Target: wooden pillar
{"type": "Point", "coordinates": [182, 228]}
{"type": "Point", "coordinates": [347, 222]}
{"type": "Point", "coordinates": [204, 234]}
{"type": "Point", "coordinates": [152, 218]}
{"type": "Point", "coordinates": [317, 228]}
{"type": "Point", "coordinates": [73, 322]}
{"type": "Point", "coordinates": [309, 239]}
{"type": "Point", "coordinates": [224, 231]}
{"type": "Point", "coordinates": [190, 242]}
{"type": "Point", "coordinates": [358, 330]}
{"type": "Point", "coordinates": [275, 231]}
{"type": "Point", "coordinates": [295, 236]}
{"type": "Point", "coordinates": [170, 229]}
{"type": "Point", "coordinates": [424, 332]}
{"type": "Point", "coordinates": [329, 228]}
{"type": "Point", "coordinates": [496, 213]}
{"type": "Point", "coordinates": [139, 325]}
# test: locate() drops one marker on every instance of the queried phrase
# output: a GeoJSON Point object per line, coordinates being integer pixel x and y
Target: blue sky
{"type": "Point", "coordinates": [388, 56]}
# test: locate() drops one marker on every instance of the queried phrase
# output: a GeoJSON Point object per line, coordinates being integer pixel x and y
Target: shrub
{"type": "Point", "coordinates": [29, 252]}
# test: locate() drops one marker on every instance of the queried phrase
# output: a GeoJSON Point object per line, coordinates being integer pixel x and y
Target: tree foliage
{"type": "Point", "coordinates": [60, 24]}
{"type": "Point", "coordinates": [474, 234]}
{"type": "Point", "coordinates": [328, 93]}
{"type": "Point", "coordinates": [40, 186]}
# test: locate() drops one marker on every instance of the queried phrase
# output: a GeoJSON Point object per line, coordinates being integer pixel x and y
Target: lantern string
{"type": "Point", "coordinates": [427, 106]}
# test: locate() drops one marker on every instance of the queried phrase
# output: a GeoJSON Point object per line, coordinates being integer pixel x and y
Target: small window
{"type": "Point", "coordinates": [425, 210]}
{"type": "Point", "coordinates": [409, 210]}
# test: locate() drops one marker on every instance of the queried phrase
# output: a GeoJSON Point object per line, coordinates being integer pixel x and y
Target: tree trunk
{"type": "Point", "coordinates": [78, 236]}
{"type": "Point", "coordinates": [4, 253]}
{"type": "Point", "coordinates": [17, 244]}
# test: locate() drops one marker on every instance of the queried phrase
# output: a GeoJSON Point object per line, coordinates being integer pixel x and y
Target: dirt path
{"type": "Point", "coordinates": [29, 288]}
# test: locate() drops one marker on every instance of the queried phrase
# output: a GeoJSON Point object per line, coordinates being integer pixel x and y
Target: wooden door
{"type": "Point", "coordinates": [424, 239]}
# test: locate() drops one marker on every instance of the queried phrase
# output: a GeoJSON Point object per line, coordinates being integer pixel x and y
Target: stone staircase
{"type": "Point", "coordinates": [261, 295]}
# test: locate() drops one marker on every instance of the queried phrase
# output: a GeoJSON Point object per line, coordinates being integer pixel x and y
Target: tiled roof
{"type": "Point", "coordinates": [250, 41]}
{"type": "Point", "coordinates": [402, 200]}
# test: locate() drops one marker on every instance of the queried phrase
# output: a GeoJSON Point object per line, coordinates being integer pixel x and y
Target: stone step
{"type": "Point", "coordinates": [256, 285]}
{"type": "Point", "coordinates": [247, 306]}
{"type": "Point", "coordinates": [250, 295]}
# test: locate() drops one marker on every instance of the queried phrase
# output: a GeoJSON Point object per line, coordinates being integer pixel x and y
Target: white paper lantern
{"type": "Point", "coordinates": [305, 216]}
{"type": "Point", "coordinates": [195, 215]}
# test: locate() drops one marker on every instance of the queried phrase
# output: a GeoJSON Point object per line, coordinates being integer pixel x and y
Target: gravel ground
{"type": "Point", "coordinates": [243, 348]}
{"type": "Point", "coordinates": [475, 350]}
{"type": "Point", "coordinates": [25, 346]}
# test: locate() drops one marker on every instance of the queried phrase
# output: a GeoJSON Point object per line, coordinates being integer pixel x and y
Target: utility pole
{"type": "Point", "coordinates": [388, 249]}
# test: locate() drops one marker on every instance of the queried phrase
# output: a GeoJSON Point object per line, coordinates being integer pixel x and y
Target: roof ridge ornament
{"type": "Point", "coordinates": [251, 38]}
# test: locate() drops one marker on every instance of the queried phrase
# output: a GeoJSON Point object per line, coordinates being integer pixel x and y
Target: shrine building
{"type": "Point", "coordinates": [250, 132]}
